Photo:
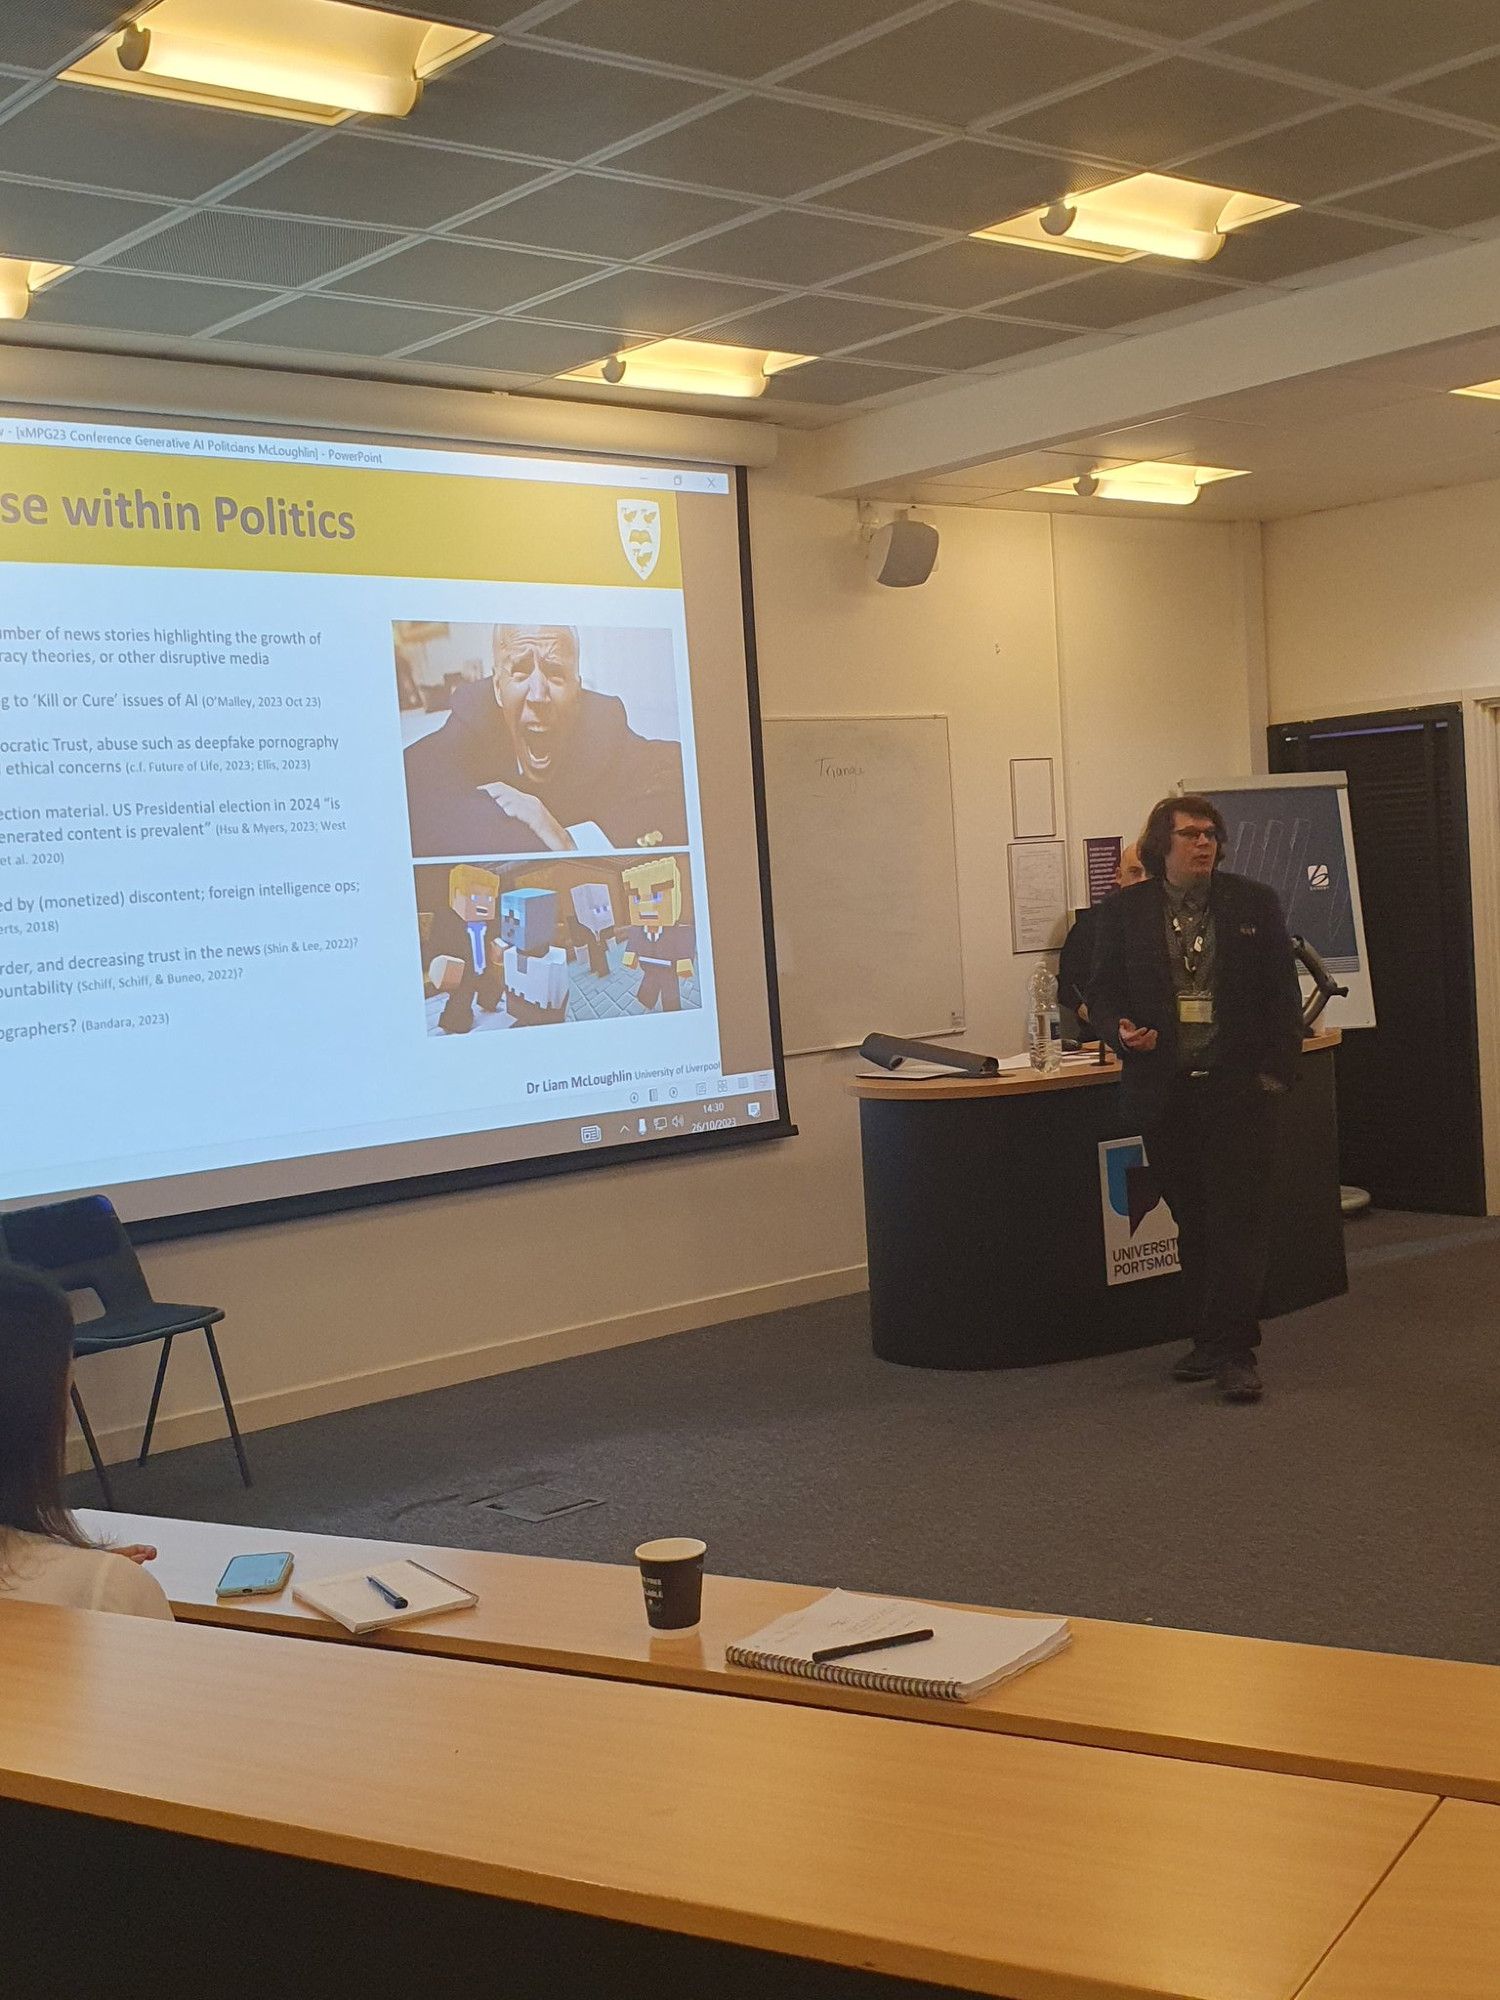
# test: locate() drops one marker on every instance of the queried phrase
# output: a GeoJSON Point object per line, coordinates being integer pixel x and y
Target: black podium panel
{"type": "Point", "coordinates": [985, 1226]}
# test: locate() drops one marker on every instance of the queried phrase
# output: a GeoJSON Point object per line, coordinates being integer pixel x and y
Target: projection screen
{"type": "Point", "coordinates": [375, 819]}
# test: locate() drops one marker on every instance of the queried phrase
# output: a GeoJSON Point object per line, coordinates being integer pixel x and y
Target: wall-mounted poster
{"type": "Point", "coordinates": [1292, 832]}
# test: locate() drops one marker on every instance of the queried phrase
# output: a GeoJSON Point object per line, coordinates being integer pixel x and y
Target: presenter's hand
{"type": "Point", "coordinates": [530, 811]}
{"type": "Point", "coordinates": [137, 1552]}
{"type": "Point", "coordinates": [1139, 1041]}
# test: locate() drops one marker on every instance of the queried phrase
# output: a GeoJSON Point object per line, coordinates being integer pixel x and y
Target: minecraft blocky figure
{"type": "Point", "coordinates": [656, 939]}
{"type": "Point", "coordinates": [594, 916]}
{"type": "Point", "coordinates": [470, 971]}
{"type": "Point", "coordinates": [535, 968]}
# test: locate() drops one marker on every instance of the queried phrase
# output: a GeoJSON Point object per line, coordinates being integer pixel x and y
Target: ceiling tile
{"type": "Point", "coordinates": [1166, 17]}
{"type": "Point", "coordinates": [1158, 114]}
{"type": "Point", "coordinates": [730, 41]}
{"type": "Point", "coordinates": [815, 324]}
{"type": "Point", "coordinates": [530, 101]}
{"type": "Point", "coordinates": [138, 305]}
{"type": "Point", "coordinates": [1453, 197]}
{"type": "Point", "coordinates": [1365, 43]}
{"type": "Point", "coordinates": [52, 226]}
{"type": "Point", "coordinates": [40, 36]}
{"type": "Point", "coordinates": [644, 302]}
{"type": "Point", "coordinates": [766, 147]}
{"type": "Point", "coordinates": [959, 276]}
{"type": "Point", "coordinates": [440, 272]}
{"type": "Point", "coordinates": [791, 248]}
{"type": "Point", "coordinates": [521, 347]}
{"type": "Point", "coordinates": [142, 147]}
{"type": "Point", "coordinates": [963, 63]}
{"type": "Point", "coordinates": [1471, 92]}
{"type": "Point", "coordinates": [220, 243]}
{"type": "Point", "coordinates": [1302, 241]}
{"type": "Point", "coordinates": [358, 179]}
{"type": "Point", "coordinates": [613, 219]}
{"type": "Point", "coordinates": [965, 185]}
{"type": "Point", "coordinates": [842, 382]}
{"type": "Point", "coordinates": [964, 343]}
{"type": "Point", "coordinates": [341, 326]}
{"type": "Point", "coordinates": [1341, 149]}
{"type": "Point", "coordinates": [1117, 294]}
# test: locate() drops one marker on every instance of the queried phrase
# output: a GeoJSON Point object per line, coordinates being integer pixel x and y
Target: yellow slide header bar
{"type": "Point", "coordinates": [152, 511]}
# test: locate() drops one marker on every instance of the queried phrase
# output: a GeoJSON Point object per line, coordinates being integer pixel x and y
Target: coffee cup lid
{"type": "Point", "coordinates": [676, 1548]}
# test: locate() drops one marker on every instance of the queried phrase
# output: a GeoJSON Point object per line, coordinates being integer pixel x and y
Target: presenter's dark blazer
{"type": "Point", "coordinates": [1257, 999]}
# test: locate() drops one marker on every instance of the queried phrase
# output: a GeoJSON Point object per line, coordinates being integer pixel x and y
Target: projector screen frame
{"type": "Point", "coordinates": [415, 1187]}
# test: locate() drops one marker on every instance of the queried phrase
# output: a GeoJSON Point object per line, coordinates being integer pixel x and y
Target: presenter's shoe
{"type": "Point", "coordinates": [1239, 1382]}
{"type": "Point", "coordinates": [1197, 1365]}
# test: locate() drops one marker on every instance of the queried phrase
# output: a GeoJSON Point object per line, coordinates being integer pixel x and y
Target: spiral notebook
{"type": "Point", "coordinates": [968, 1652]}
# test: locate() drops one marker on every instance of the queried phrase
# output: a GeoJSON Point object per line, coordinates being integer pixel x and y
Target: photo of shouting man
{"type": "Point", "coordinates": [530, 760]}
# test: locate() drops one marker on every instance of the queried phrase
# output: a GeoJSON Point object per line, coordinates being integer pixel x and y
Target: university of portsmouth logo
{"type": "Point", "coordinates": [640, 534]}
{"type": "Point", "coordinates": [1140, 1232]}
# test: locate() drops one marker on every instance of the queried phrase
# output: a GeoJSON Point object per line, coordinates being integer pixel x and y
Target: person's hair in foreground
{"type": "Point", "coordinates": [36, 1360]}
{"type": "Point", "coordinates": [1155, 843]}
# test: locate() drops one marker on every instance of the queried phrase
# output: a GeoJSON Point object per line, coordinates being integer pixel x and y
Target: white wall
{"type": "Point", "coordinates": [1373, 606]}
{"type": "Point", "coordinates": [1154, 685]}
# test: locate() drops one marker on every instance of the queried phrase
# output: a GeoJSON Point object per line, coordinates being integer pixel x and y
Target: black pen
{"type": "Point", "coordinates": [870, 1646]}
{"type": "Point", "coordinates": [396, 1603]}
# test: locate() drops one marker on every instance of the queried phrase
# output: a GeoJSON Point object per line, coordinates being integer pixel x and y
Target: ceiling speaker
{"type": "Point", "coordinates": [903, 552]}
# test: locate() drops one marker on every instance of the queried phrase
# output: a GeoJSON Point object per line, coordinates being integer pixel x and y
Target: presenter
{"type": "Point", "coordinates": [1194, 985]}
{"type": "Point", "coordinates": [531, 761]}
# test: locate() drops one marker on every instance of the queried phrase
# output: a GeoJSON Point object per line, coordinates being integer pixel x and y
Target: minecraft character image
{"type": "Point", "coordinates": [469, 969]}
{"type": "Point", "coordinates": [594, 916]}
{"type": "Point", "coordinates": [535, 968]}
{"type": "Point", "coordinates": [656, 939]}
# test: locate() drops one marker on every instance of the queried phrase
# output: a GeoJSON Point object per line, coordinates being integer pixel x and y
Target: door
{"type": "Point", "coordinates": [1409, 1116]}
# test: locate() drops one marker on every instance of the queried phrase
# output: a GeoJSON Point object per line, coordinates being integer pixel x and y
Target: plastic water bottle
{"type": "Point", "coordinates": [1043, 1022]}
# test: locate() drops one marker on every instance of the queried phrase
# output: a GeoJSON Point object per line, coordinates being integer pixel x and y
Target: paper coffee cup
{"type": "Point", "coordinates": [672, 1579]}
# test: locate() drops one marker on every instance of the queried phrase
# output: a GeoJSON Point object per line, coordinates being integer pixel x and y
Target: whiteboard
{"type": "Point", "coordinates": [864, 879]}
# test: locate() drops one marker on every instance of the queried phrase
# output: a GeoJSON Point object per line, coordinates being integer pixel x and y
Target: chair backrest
{"type": "Point", "coordinates": [81, 1246]}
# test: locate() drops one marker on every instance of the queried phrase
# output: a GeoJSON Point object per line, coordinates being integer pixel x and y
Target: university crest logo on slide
{"type": "Point", "coordinates": [640, 534]}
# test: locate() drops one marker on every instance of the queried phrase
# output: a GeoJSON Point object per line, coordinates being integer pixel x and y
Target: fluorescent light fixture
{"type": "Point", "coordinates": [19, 278]}
{"type": "Point", "coordinates": [689, 368]}
{"type": "Point", "coordinates": [318, 60]}
{"type": "Point", "coordinates": [1156, 482]}
{"type": "Point", "coordinates": [1489, 390]}
{"type": "Point", "coordinates": [1149, 215]}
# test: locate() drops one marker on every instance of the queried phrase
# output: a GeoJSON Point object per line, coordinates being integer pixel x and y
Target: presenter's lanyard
{"type": "Point", "coordinates": [1192, 948]}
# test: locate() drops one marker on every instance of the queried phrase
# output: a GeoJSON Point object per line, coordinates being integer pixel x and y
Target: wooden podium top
{"type": "Point", "coordinates": [1074, 1075]}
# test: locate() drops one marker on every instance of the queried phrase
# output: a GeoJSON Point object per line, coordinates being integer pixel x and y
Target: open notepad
{"type": "Point", "coordinates": [356, 1604]}
{"type": "Point", "coordinates": [968, 1652]}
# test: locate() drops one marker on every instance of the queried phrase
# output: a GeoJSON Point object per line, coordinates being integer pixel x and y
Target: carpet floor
{"type": "Point", "coordinates": [1357, 1506]}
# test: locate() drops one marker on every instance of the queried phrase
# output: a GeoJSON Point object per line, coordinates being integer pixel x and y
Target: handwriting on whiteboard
{"type": "Point", "coordinates": [829, 768]}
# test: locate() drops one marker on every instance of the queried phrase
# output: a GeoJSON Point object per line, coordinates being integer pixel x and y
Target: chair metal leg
{"type": "Point", "coordinates": [234, 1429]}
{"type": "Point", "coordinates": [161, 1376]}
{"type": "Point", "coordinates": [88, 1437]}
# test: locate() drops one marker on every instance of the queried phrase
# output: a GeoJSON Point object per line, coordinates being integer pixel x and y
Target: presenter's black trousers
{"type": "Point", "coordinates": [1213, 1147]}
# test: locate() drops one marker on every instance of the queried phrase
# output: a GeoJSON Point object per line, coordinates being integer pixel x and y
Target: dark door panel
{"type": "Point", "coordinates": [1408, 1088]}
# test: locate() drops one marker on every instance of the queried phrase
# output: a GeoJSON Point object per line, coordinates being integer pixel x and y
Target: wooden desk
{"type": "Point", "coordinates": [998, 1226]}
{"type": "Point", "coordinates": [1431, 1931]}
{"type": "Point", "coordinates": [1366, 1718]}
{"type": "Point", "coordinates": [1036, 1871]}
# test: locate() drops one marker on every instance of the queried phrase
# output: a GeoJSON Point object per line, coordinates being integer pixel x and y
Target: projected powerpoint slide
{"type": "Point", "coordinates": [535, 944]}
{"type": "Point", "coordinates": [235, 672]}
{"type": "Point", "coordinates": [539, 737]}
